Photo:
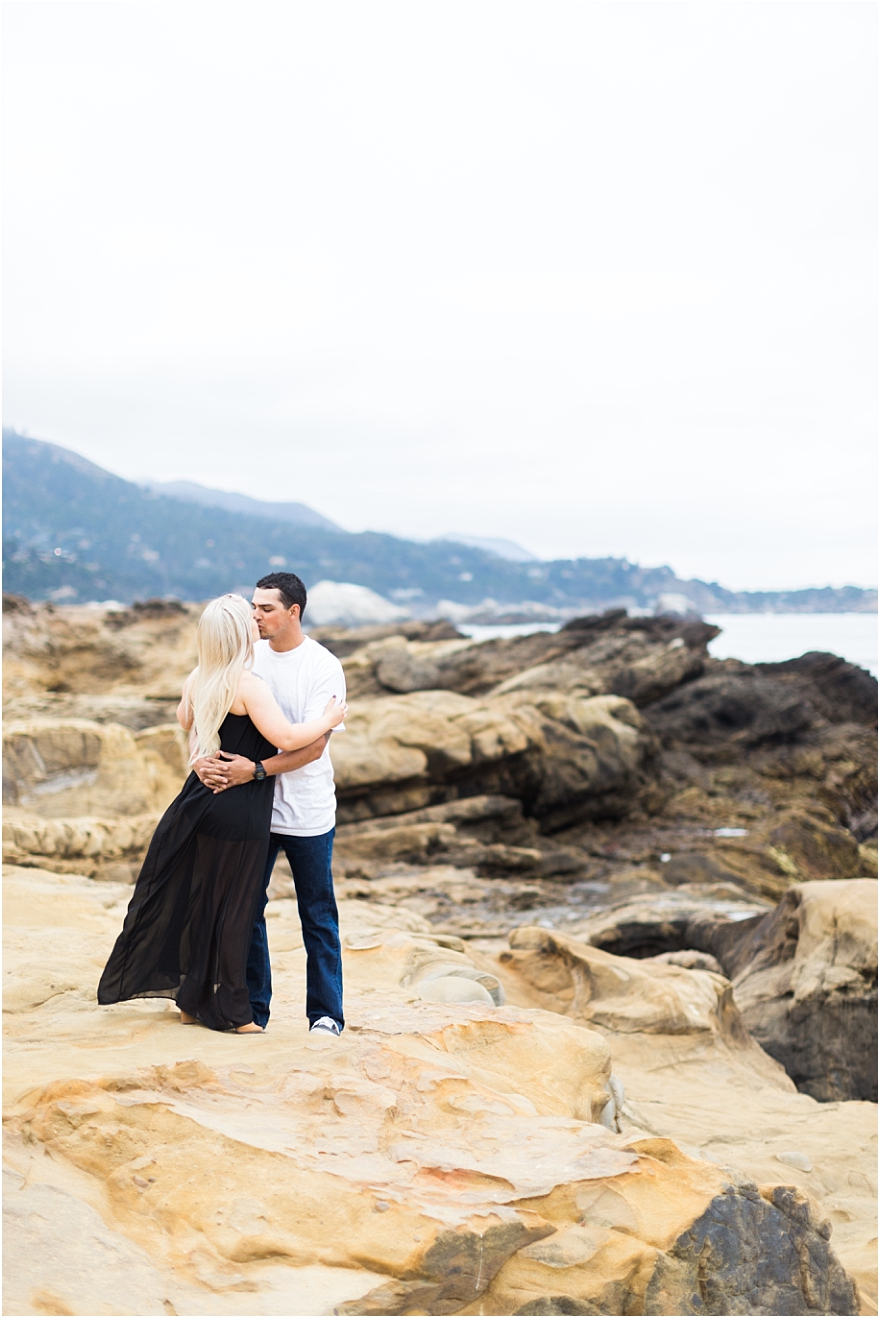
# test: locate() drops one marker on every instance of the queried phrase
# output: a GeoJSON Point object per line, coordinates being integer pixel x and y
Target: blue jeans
{"type": "Point", "coordinates": [310, 859]}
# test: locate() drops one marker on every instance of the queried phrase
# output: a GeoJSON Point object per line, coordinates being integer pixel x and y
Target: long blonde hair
{"type": "Point", "coordinates": [226, 650]}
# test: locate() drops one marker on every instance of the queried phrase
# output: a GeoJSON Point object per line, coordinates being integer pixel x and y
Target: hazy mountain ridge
{"type": "Point", "coordinates": [190, 492]}
{"type": "Point", "coordinates": [75, 532]}
{"type": "Point", "coordinates": [494, 544]}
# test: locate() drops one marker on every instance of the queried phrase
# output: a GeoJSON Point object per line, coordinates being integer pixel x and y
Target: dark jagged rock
{"type": "Point", "coordinates": [608, 654]}
{"type": "Point", "coordinates": [594, 622]}
{"type": "Point", "coordinates": [746, 1254]}
{"type": "Point", "coordinates": [343, 641]}
{"type": "Point", "coordinates": [841, 692]}
{"type": "Point", "coordinates": [694, 632]}
{"type": "Point", "coordinates": [744, 705]}
{"type": "Point", "coordinates": [733, 707]}
{"type": "Point", "coordinates": [751, 1255]}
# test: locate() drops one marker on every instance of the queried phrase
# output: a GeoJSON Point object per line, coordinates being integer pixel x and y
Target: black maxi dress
{"type": "Point", "coordinates": [189, 923]}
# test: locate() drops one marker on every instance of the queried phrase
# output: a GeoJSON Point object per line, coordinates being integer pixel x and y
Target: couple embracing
{"type": "Point", "coordinates": [195, 929]}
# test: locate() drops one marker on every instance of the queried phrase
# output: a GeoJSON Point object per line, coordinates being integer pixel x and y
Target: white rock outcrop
{"type": "Point", "coordinates": [348, 605]}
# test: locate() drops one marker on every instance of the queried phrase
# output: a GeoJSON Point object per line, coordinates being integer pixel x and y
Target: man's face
{"type": "Point", "coordinates": [270, 614]}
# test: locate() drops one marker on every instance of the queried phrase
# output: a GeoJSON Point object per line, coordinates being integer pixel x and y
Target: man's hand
{"type": "Point", "coordinates": [230, 771]}
{"type": "Point", "coordinates": [221, 771]}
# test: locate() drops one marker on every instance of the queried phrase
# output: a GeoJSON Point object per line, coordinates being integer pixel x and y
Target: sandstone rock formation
{"type": "Point", "coordinates": [805, 979]}
{"type": "Point", "coordinates": [748, 775]}
{"type": "Point", "coordinates": [555, 853]}
{"type": "Point", "coordinates": [145, 651]}
{"type": "Point", "coordinates": [86, 796]}
{"type": "Point", "coordinates": [101, 848]}
{"type": "Point", "coordinates": [564, 756]}
{"type": "Point", "coordinates": [803, 973]}
{"type": "Point", "coordinates": [693, 1074]}
{"type": "Point", "coordinates": [441, 1157]}
{"type": "Point", "coordinates": [64, 767]}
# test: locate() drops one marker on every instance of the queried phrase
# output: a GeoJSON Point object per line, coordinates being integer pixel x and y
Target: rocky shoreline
{"type": "Point", "coordinates": [556, 854]}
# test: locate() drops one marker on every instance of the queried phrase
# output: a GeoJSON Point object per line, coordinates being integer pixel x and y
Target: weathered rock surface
{"type": "Point", "coordinates": [343, 641]}
{"type": "Point", "coordinates": [749, 704]}
{"type": "Point", "coordinates": [804, 973]}
{"type": "Point", "coordinates": [784, 752]}
{"type": "Point", "coordinates": [565, 757]}
{"type": "Point", "coordinates": [610, 785]}
{"type": "Point", "coordinates": [667, 922]}
{"type": "Point", "coordinates": [839, 692]}
{"type": "Point", "coordinates": [694, 1078]}
{"type": "Point", "coordinates": [100, 848]}
{"type": "Point", "coordinates": [440, 1157]}
{"type": "Point", "coordinates": [805, 979]}
{"type": "Point", "coordinates": [148, 649]}
{"type": "Point", "coordinates": [629, 996]}
{"type": "Point", "coordinates": [133, 711]}
{"type": "Point", "coordinates": [68, 767]}
{"type": "Point", "coordinates": [640, 658]}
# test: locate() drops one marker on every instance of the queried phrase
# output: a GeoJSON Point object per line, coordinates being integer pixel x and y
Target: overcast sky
{"type": "Point", "coordinates": [597, 277]}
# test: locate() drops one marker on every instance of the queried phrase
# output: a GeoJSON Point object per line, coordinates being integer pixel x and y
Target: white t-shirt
{"type": "Point", "coordinates": [302, 681]}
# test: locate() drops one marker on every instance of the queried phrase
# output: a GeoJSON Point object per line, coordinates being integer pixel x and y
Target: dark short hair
{"type": "Point", "coordinates": [289, 587]}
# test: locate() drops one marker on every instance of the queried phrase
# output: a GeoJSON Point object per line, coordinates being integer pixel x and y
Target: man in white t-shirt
{"type": "Point", "coordinates": [303, 676]}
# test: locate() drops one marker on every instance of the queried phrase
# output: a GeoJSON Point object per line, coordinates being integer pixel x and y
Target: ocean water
{"type": "Point", "coordinates": [767, 638]}
{"type": "Point", "coordinates": [758, 638]}
{"type": "Point", "coordinates": [488, 633]}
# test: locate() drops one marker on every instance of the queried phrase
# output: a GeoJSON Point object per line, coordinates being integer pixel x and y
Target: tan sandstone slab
{"type": "Point", "coordinates": [690, 1075]}
{"type": "Point", "coordinates": [416, 1165]}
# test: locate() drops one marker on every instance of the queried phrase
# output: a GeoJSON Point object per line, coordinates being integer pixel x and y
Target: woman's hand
{"type": "Point", "coordinates": [335, 712]}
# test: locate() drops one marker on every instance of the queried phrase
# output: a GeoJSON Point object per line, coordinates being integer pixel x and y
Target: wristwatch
{"type": "Point", "coordinates": [259, 771]}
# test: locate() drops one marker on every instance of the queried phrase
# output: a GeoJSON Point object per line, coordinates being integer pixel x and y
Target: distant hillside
{"type": "Point", "coordinates": [75, 532]}
{"type": "Point", "coordinates": [190, 492]}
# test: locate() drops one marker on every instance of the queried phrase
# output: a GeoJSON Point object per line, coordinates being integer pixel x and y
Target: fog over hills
{"type": "Point", "coordinates": [74, 532]}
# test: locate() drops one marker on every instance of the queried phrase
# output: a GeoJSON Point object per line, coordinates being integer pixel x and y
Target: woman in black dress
{"type": "Point", "coordinates": [188, 928]}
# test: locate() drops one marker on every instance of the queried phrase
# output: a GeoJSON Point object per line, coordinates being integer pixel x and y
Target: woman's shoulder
{"type": "Point", "coordinates": [250, 681]}
{"type": "Point", "coordinates": [250, 684]}
{"type": "Point", "coordinates": [250, 689]}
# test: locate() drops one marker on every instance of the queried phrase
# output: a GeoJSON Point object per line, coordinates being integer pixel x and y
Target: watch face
{"type": "Point", "coordinates": [259, 773]}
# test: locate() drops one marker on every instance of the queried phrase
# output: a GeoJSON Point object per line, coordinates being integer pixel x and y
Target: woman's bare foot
{"type": "Point", "coordinates": [186, 1019]}
{"type": "Point", "coordinates": [253, 1028]}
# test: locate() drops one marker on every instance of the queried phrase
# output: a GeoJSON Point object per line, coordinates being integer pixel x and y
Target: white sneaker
{"type": "Point", "coordinates": [326, 1025]}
